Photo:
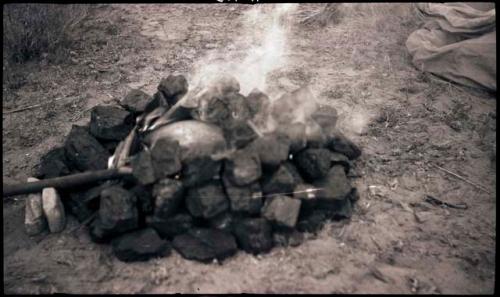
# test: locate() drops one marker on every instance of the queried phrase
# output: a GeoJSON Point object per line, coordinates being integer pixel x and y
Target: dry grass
{"type": "Point", "coordinates": [30, 30]}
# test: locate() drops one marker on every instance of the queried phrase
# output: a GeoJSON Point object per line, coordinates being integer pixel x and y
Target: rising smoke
{"type": "Point", "coordinates": [262, 47]}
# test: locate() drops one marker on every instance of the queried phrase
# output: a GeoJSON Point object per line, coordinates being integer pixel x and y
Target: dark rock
{"type": "Point", "coordinates": [354, 195]}
{"type": "Point", "coordinates": [335, 186]}
{"type": "Point", "coordinates": [83, 151]}
{"type": "Point", "coordinates": [140, 245]}
{"type": "Point", "coordinates": [226, 84]}
{"type": "Point", "coordinates": [238, 105]}
{"type": "Point", "coordinates": [315, 136]}
{"type": "Point", "coordinates": [142, 168]}
{"type": "Point", "coordinates": [271, 148]}
{"type": "Point", "coordinates": [258, 102]}
{"type": "Point", "coordinates": [158, 102]}
{"type": "Point", "coordinates": [281, 210]}
{"type": "Point", "coordinates": [312, 222]}
{"type": "Point", "coordinates": [339, 143]}
{"type": "Point", "coordinates": [172, 226]}
{"type": "Point", "coordinates": [326, 116]}
{"type": "Point", "coordinates": [136, 101]}
{"type": "Point", "coordinates": [341, 209]}
{"type": "Point", "coordinates": [225, 110]}
{"type": "Point", "coordinates": [339, 159]}
{"type": "Point", "coordinates": [296, 134]}
{"type": "Point", "coordinates": [117, 211]}
{"type": "Point", "coordinates": [200, 170]}
{"type": "Point", "coordinates": [204, 245]}
{"type": "Point", "coordinates": [207, 200]}
{"type": "Point", "coordinates": [313, 163]}
{"type": "Point", "coordinates": [254, 235]}
{"type": "Point", "coordinates": [110, 122]}
{"type": "Point", "coordinates": [287, 237]}
{"type": "Point", "coordinates": [240, 134]}
{"type": "Point", "coordinates": [83, 204]}
{"type": "Point", "coordinates": [306, 193]}
{"type": "Point", "coordinates": [166, 157]}
{"type": "Point", "coordinates": [246, 199]}
{"type": "Point", "coordinates": [145, 199]}
{"type": "Point", "coordinates": [282, 180]}
{"type": "Point", "coordinates": [243, 167]}
{"type": "Point", "coordinates": [168, 196]}
{"type": "Point", "coordinates": [223, 221]}
{"type": "Point", "coordinates": [110, 145]}
{"type": "Point", "coordinates": [98, 234]}
{"type": "Point", "coordinates": [173, 87]}
{"type": "Point", "coordinates": [52, 164]}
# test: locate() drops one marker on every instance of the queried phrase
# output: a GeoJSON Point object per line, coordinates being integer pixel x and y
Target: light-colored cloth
{"type": "Point", "coordinates": [457, 42]}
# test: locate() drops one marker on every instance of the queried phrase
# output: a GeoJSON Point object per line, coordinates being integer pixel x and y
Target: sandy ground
{"type": "Point", "coordinates": [405, 122]}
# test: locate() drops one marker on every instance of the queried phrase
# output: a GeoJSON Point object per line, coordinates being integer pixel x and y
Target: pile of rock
{"type": "Point", "coordinates": [243, 186]}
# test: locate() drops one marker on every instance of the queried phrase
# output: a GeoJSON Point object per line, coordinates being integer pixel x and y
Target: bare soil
{"type": "Point", "coordinates": [405, 122]}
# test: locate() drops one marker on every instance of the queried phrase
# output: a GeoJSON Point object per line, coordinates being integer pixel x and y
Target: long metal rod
{"type": "Point", "coordinates": [65, 181]}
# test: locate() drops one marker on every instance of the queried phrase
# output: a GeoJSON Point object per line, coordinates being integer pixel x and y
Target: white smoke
{"type": "Point", "coordinates": [261, 47]}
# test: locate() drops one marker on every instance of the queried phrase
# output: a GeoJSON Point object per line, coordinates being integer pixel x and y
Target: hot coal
{"type": "Point", "coordinates": [110, 122]}
{"type": "Point", "coordinates": [136, 101]}
{"type": "Point", "coordinates": [246, 172]}
{"type": "Point", "coordinates": [247, 199]}
{"type": "Point", "coordinates": [142, 168]}
{"type": "Point", "coordinates": [296, 134]}
{"type": "Point", "coordinates": [306, 193]}
{"type": "Point", "coordinates": [52, 164]}
{"type": "Point", "coordinates": [335, 186]}
{"type": "Point", "coordinates": [140, 245]}
{"type": "Point", "coordinates": [272, 149]}
{"type": "Point", "coordinates": [239, 134]}
{"type": "Point", "coordinates": [144, 198]}
{"type": "Point", "coordinates": [206, 201]}
{"type": "Point", "coordinates": [281, 210]}
{"type": "Point", "coordinates": [173, 88]}
{"type": "Point", "coordinates": [83, 151]}
{"type": "Point", "coordinates": [254, 235]}
{"type": "Point", "coordinates": [341, 144]}
{"type": "Point", "coordinates": [203, 244]}
{"type": "Point", "coordinates": [109, 145]}
{"type": "Point", "coordinates": [83, 204]}
{"type": "Point", "coordinates": [158, 103]}
{"type": "Point", "coordinates": [168, 197]}
{"type": "Point", "coordinates": [312, 221]}
{"type": "Point", "coordinates": [313, 163]}
{"type": "Point", "coordinates": [243, 167]}
{"type": "Point", "coordinates": [172, 226]}
{"type": "Point", "coordinates": [117, 213]}
{"type": "Point", "coordinates": [316, 138]}
{"type": "Point", "coordinates": [287, 237]}
{"type": "Point", "coordinates": [283, 180]}
{"type": "Point", "coordinates": [200, 170]}
{"type": "Point", "coordinates": [340, 159]}
{"type": "Point", "coordinates": [165, 155]}
{"type": "Point", "coordinates": [258, 102]}
{"type": "Point", "coordinates": [326, 116]}
{"type": "Point", "coordinates": [223, 221]}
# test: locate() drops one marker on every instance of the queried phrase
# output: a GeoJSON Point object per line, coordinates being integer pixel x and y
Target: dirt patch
{"type": "Point", "coordinates": [405, 122]}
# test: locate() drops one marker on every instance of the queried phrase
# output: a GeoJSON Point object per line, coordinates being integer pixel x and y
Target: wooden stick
{"type": "Point", "coordinates": [65, 181]}
{"type": "Point", "coordinates": [463, 179]}
{"type": "Point", "coordinates": [36, 105]}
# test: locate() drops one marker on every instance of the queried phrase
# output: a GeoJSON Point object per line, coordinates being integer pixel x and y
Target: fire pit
{"type": "Point", "coordinates": [212, 172]}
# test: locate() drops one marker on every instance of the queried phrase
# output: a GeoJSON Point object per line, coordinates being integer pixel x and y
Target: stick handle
{"type": "Point", "coordinates": [65, 181]}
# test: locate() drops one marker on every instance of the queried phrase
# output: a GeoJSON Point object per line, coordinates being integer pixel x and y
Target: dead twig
{"type": "Point", "coordinates": [463, 179]}
{"type": "Point", "coordinates": [37, 105]}
{"type": "Point", "coordinates": [435, 201]}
